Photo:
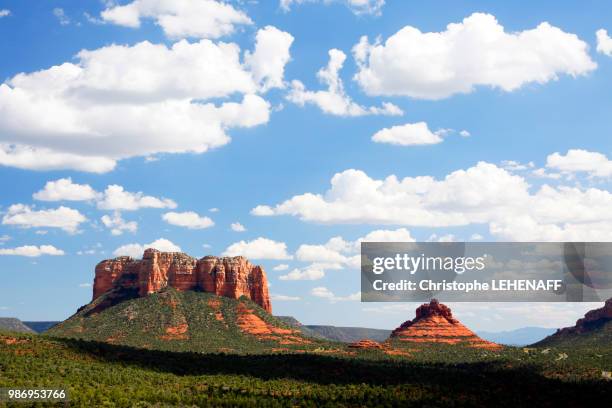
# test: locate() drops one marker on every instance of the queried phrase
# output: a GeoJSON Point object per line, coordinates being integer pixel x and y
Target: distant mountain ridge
{"type": "Point", "coordinates": [41, 326]}
{"type": "Point", "coordinates": [518, 337]}
{"type": "Point", "coordinates": [349, 334]}
{"type": "Point", "coordinates": [15, 325]}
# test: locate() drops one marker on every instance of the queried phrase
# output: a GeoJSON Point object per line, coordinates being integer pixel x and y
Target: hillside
{"type": "Point", "coordinates": [349, 334]}
{"type": "Point", "coordinates": [592, 331]}
{"type": "Point", "coordinates": [14, 325]}
{"type": "Point", "coordinates": [184, 321]}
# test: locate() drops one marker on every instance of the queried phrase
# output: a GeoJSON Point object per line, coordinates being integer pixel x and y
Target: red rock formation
{"type": "Point", "coordinates": [434, 323]}
{"type": "Point", "coordinates": [366, 344]}
{"type": "Point", "coordinates": [228, 276]}
{"type": "Point", "coordinates": [591, 320]}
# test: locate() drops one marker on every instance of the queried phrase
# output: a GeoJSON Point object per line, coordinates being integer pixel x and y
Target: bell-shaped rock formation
{"type": "Point", "coordinates": [231, 277]}
{"type": "Point", "coordinates": [434, 323]}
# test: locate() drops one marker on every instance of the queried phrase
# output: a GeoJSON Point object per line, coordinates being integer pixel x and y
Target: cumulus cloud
{"type": "Point", "coordinates": [306, 274]}
{"type": "Point", "coordinates": [24, 216]}
{"type": "Point", "coordinates": [5, 13]}
{"type": "Point", "coordinates": [604, 42]}
{"type": "Point", "coordinates": [577, 160]}
{"type": "Point", "coordinates": [149, 90]}
{"type": "Point", "coordinates": [61, 16]}
{"type": "Point", "coordinates": [179, 18]}
{"type": "Point", "coordinates": [116, 198]}
{"type": "Point", "coordinates": [188, 219]}
{"type": "Point", "coordinates": [281, 267]}
{"type": "Point", "coordinates": [410, 134]}
{"type": "Point", "coordinates": [482, 194]}
{"type": "Point", "coordinates": [334, 100]}
{"type": "Point", "coordinates": [325, 293]}
{"type": "Point", "coordinates": [475, 52]}
{"type": "Point", "coordinates": [338, 253]}
{"type": "Point", "coordinates": [136, 250]}
{"type": "Point", "coordinates": [284, 298]}
{"type": "Point", "coordinates": [358, 7]}
{"type": "Point", "coordinates": [268, 60]}
{"type": "Point", "coordinates": [32, 251]}
{"type": "Point", "coordinates": [237, 227]}
{"type": "Point", "coordinates": [117, 224]}
{"type": "Point", "coordinates": [260, 248]}
{"type": "Point", "coordinates": [65, 190]}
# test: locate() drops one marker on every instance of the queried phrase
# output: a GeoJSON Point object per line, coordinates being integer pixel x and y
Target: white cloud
{"type": "Point", "coordinates": [188, 219]}
{"type": "Point", "coordinates": [358, 7]}
{"type": "Point", "coordinates": [323, 292]}
{"type": "Point", "coordinates": [116, 198]}
{"type": "Point", "coordinates": [237, 227]}
{"type": "Point", "coordinates": [260, 248]}
{"type": "Point", "coordinates": [120, 101]}
{"type": "Point", "coordinates": [268, 60]}
{"type": "Point", "coordinates": [65, 190]}
{"type": "Point", "coordinates": [24, 216]}
{"type": "Point", "coordinates": [410, 134]}
{"type": "Point", "coordinates": [475, 52]}
{"type": "Point", "coordinates": [577, 160]}
{"type": "Point", "coordinates": [307, 274]}
{"type": "Point", "coordinates": [214, 210]}
{"type": "Point", "coordinates": [604, 42]}
{"type": "Point", "coordinates": [338, 253]}
{"type": "Point", "coordinates": [476, 237]}
{"type": "Point", "coordinates": [482, 194]}
{"type": "Point", "coordinates": [442, 238]}
{"type": "Point", "coordinates": [61, 16]}
{"type": "Point", "coordinates": [179, 18]}
{"type": "Point", "coordinates": [32, 251]}
{"type": "Point", "coordinates": [40, 158]}
{"type": "Point", "coordinates": [334, 100]}
{"type": "Point", "coordinates": [284, 298]}
{"type": "Point", "coordinates": [281, 267]}
{"type": "Point", "coordinates": [5, 13]}
{"type": "Point", "coordinates": [117, 224]}
{"type": "Point", "coordinates": [464, 133]}
{"type": "Point", "coordinates": [136, 250]}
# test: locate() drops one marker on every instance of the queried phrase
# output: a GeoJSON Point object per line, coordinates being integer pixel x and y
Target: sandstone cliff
{"type": "Point", "coordinates": [434, 323]}
{"type": "Point", "coordinates": [231, 277]}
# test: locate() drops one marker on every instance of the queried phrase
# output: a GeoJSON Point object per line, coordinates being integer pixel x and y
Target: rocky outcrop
{"type": "Point", "coordinates": [366, 344]}
{"type": "Point", "coordinates": [592, 320]}
{"type": "Point", "coordinates": [227, 276]}
{"type": "Point", "coordinates": [434, 323]}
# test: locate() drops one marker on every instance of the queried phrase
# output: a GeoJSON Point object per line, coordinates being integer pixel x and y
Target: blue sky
{"type": "Point", "coordinates": [530, 102]}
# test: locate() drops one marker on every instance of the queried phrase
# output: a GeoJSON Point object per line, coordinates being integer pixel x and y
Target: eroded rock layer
{"type": "Point", "coordinates": [232, 277]}
{"type": "Point", "coordinates": [434, 323]}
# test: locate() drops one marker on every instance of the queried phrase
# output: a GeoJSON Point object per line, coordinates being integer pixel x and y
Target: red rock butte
{"type": "Point", "coordinates": [434, 323]}
{"type": "Point", "coordinates": [231, 277]}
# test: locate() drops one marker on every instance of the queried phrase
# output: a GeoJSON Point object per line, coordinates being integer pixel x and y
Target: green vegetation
{"type": "Point", "coordinates": [602, 334]}
{"type": "Point", "coordinates": [133, 354]}
{"type": "Point", "coordinates": [144, 323]}
{"type": "Point", "coordinates": [100, 374]}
